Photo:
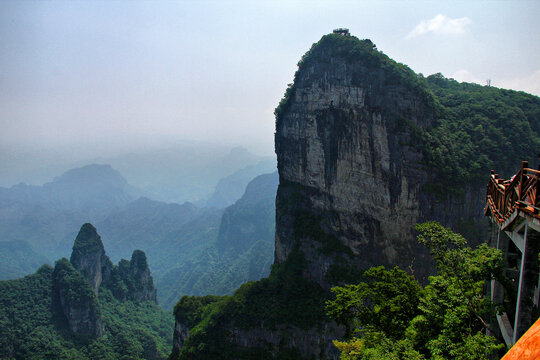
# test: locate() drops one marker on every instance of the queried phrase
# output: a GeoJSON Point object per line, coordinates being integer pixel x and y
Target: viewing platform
{"type": "Point", "coordinates": [342, 31]}
{"type": "Point", "coordinates": [514, 207]}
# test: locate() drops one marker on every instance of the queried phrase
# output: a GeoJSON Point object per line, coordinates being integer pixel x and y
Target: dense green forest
{"type": "Point", "coordinates": [284, 299]}
{"type": "Point", "coordinates": [388, 315]}
{"type": "Point", "coordinates": [391, 316]}
{"type": "Point", "coordinates": [479, 128]}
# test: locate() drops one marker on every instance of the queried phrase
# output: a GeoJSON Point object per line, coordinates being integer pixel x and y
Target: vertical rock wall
{"type": "Point", "coordinates": [345, 152]}
{"type": "Point", "coordinates": [89, 258]}
{"type": "Point", "coordinates": [351, 166]}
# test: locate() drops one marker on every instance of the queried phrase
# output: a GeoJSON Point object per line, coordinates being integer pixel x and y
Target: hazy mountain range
{"type": "Point", "coordinates": [180, 172]}
{"type": "Point", "coordinates": [38, 223]}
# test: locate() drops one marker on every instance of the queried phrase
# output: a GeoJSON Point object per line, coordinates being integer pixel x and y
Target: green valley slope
{"type": "Point", "coordinates": [242, 250]}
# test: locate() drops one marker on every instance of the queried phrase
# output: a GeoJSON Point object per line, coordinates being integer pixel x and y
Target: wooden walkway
{"type": "Point", "coordinates": [513, 205]}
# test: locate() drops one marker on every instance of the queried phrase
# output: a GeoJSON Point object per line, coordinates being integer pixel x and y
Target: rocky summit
{"type": "Point", "coordinates": [352, 164]}
{"type": "Point", "coordinates": [76, 282]}
{"type": "Point", "coordinates": [89, 258]}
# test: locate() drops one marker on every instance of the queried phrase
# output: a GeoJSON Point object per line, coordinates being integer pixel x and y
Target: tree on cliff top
{"type": "Point", "coordinates": [391, 317]}
{"type": "Point", "coordinates": [87, 241]}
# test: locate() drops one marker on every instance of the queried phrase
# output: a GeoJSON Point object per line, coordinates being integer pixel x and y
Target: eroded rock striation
{"type": "Point", "coordinates": [352, 167]}
{"type": "Point", "coordinates": [350, 175]}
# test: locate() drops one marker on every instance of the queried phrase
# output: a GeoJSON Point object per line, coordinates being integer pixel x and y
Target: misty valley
{"type": "Point", "coordinates": [189, 246]}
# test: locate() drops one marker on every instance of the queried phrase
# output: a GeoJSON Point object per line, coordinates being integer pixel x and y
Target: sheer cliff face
{"type": "Point", "coordinates": [89, 258]}
{"type": "Point", "coordinates": [348, 166]}
{"type": "Point", "coordinates": [75, 299]}
{"type": "Point", "coordinates": [143, 288]}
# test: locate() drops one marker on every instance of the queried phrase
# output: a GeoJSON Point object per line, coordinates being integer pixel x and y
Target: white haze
{"type": "Point", "coordinates": [95, 79]}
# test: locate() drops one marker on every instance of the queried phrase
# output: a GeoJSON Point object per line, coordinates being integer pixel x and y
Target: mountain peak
{"type": "Point", "coordinates": [138, 260]}
{"type": "Point", "coordinates": [88, 256]}
{"type": "Point", "coordinates": [87, 241]}
{"type": "Point", "coordinates": [100, 173]}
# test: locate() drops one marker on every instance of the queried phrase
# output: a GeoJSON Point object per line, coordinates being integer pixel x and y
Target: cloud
{"type": "Point", "coordinates": [467, 76]}
{"type": "Point", "coordinates": [529, 83]}
{"type": "Point", "coordinates": [441, 25]}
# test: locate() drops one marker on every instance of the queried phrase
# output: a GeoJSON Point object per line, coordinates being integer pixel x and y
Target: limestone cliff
{"type": "Point", "coordinates": [181, 333]}
{"type": "Point", "coordinates": [140, 281]}
{"type": "Point", "coordinates": [351, 163]}
{"type": "Point", "coordinates": [89, 258]}
{"type": "Point", "coordinates": [75, 301]}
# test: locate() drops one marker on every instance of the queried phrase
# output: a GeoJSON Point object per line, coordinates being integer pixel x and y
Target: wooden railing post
{"type": "Point", "coordinates": [524, 164]}
{"type": "Point", "coordinates": [537, 190]}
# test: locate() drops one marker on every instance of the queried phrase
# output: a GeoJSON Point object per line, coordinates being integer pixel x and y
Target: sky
{"type": "Point", "coordinates": [108, 75]}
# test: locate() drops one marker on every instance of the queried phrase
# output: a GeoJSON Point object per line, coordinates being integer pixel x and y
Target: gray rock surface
{"type": "Point", "coordinates": [89, 258]}
{"type": "Point", "coordinates": [143, 289]}
{"type": "Point", "coordinates": [349, 163]}
{"type": "Point", "coordinates": [74, 298]}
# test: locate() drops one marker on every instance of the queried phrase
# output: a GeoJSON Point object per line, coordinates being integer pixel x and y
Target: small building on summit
{"type": "Point", "coordinates": [342, 31]}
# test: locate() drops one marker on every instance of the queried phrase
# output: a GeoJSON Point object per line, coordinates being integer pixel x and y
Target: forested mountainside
{"type": "Point", "coordinates": [17, 258]}
{"type": "Point", "coordinates": [366, 149]}
{"type": "Point", "coordinates": [243, 249]}
{"type": "Point", "coordinates": [230, 188]}
{"type": "Point", "coordinates": [84, 308]}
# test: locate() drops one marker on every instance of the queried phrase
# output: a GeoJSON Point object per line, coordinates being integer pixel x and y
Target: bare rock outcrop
{"type": "Point", "coordinates": [89, 258]}
{"type": "Point", "coordinates": [74, 298]}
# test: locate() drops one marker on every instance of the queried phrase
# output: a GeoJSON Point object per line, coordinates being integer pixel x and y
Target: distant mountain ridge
{"type": "Point", "coordinates": [242, 249]}
{"type": "Point", "coordinates": [229, 245]}
{"type": "Point", "coordinates": [184, 172]}
{"type": "Point", "coordinates": [230, 188]}
{"type": "Point", "coordinates": [104, 189]}
{"type": "Point", "coordinates": [45, 215]}
{"type": "Point", "coordinates": [17, 258]}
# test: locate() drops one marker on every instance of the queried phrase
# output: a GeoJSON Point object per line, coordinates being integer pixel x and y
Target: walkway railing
{"type": "Point", "coordinates": [514, 205]}
{"type": "Point", "coordinates": [521, 192]}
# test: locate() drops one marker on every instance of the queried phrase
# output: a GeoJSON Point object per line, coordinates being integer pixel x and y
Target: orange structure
{"type": "Point", "coordinates": [528, 347]}
{"type": "Point", "coordinates": [514, 207]}
{"type": "Point", "coordinates": [520, 193]}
